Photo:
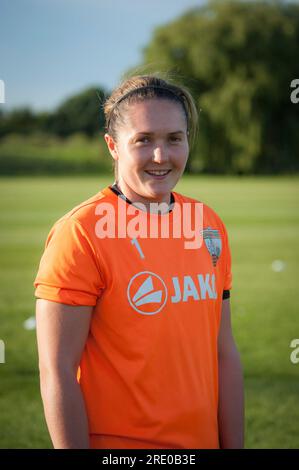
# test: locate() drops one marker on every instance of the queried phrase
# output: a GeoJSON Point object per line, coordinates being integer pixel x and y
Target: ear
{"type": "Point", "coordinates": [111, 146]}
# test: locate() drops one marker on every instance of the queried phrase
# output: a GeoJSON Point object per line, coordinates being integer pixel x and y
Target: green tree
{"type": "Point", "coordinates": [80, 113]}
{"type": "Point", "coordinates": [20, 121]}
{"type": "Point", "coordinates": [238, 58]}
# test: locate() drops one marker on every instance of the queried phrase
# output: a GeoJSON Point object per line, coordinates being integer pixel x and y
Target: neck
{"type": "Point", "coordinates": [151, 204]}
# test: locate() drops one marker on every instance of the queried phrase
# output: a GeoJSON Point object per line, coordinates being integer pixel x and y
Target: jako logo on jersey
{"type": "Point", "coordinates": [213, 243]}
{"type": "Point", "coordinates": [147, 292]}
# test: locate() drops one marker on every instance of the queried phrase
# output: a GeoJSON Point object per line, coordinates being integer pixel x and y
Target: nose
{"type": "Point", "coordinates": [160, 154]}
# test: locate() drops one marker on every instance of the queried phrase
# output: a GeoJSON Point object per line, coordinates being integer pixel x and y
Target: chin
{"type": "Point", "coordinates": [159, 190]}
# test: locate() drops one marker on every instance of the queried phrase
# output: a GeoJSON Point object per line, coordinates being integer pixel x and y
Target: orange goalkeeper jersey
{"type": "Point", "coordinates": [149, 371]}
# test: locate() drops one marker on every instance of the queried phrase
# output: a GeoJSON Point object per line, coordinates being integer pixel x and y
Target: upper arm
{"type": "Point", "coordinates": [226, 343]}
{"type": "Point", "coordinates": [62, 331]}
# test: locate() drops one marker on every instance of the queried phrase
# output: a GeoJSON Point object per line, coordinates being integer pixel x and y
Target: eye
{"type": "Point", "coordinates": [142, 140]}
{"type": "Point", "coordinates": [175, 139]}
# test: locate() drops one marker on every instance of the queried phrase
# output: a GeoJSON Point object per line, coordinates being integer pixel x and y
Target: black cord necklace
{"type": "Point", "coordinates": [117, 191]}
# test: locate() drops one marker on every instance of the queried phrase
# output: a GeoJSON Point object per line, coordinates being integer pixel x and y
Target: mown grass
{"type": "Point", "coordinates": [261, 215]}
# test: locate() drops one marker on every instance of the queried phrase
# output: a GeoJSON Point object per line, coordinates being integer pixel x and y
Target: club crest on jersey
{"type": "Point", "coordinates": [213, 243]}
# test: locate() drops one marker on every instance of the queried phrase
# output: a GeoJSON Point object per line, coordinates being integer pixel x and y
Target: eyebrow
{"type": "Point", "coordinates": [151, 133]}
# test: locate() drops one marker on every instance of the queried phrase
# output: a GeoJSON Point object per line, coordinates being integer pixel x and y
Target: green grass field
{"type": "Point", "coordinates": [262, 218]}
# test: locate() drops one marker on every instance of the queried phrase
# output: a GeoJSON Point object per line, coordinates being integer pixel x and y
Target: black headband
{"type": "Point", "coordinates": [149, 87]}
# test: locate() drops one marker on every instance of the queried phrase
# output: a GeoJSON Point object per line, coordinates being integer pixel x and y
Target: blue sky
{"type": "Point", "coordinates": [51, 49]}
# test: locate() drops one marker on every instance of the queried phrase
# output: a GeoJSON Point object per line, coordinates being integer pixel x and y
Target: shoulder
{"type": "Point", "coordinates": [81, 219]}
{"type": "Point", "coordinates": [210, 216]}
{"type": "Point", "coordinates": [85, 212]}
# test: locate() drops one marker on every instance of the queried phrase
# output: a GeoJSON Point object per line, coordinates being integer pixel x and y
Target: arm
{"type": "Point", "coordinates": [231, 395]}
{"type": "Point", "coordinates": [62, 331]}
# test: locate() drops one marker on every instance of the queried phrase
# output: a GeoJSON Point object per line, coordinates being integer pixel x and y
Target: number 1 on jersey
{"type": "Point", "coordinates": [135, 242]}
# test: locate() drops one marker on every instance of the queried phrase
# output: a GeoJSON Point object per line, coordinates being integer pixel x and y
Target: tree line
{"type": "Point", "coordinates": [238, 59]}
{"type": "Point", "coordinates": [81, 113]}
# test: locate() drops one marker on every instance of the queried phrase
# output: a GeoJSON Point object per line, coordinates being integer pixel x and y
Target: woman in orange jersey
{"type": "Point", "coordinates": [133, 315]}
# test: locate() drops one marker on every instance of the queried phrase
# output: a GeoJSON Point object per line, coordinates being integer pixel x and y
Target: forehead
{"type": "Point", "coordinates": [155, 114]}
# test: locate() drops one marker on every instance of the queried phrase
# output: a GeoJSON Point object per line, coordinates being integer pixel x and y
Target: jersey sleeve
{"type": "Point", "coordinates": [69, 270]}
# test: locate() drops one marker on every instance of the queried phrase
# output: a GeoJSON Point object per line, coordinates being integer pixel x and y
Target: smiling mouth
{"type": "Point", "coordinates": [157, 172]}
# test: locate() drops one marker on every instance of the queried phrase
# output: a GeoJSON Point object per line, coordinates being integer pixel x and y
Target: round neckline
{"type": "Point", "coordinates": [146, 213]}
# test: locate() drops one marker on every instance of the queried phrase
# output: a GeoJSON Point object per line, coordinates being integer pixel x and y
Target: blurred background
{"type": "Point", "coordinates": [59, 59]}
